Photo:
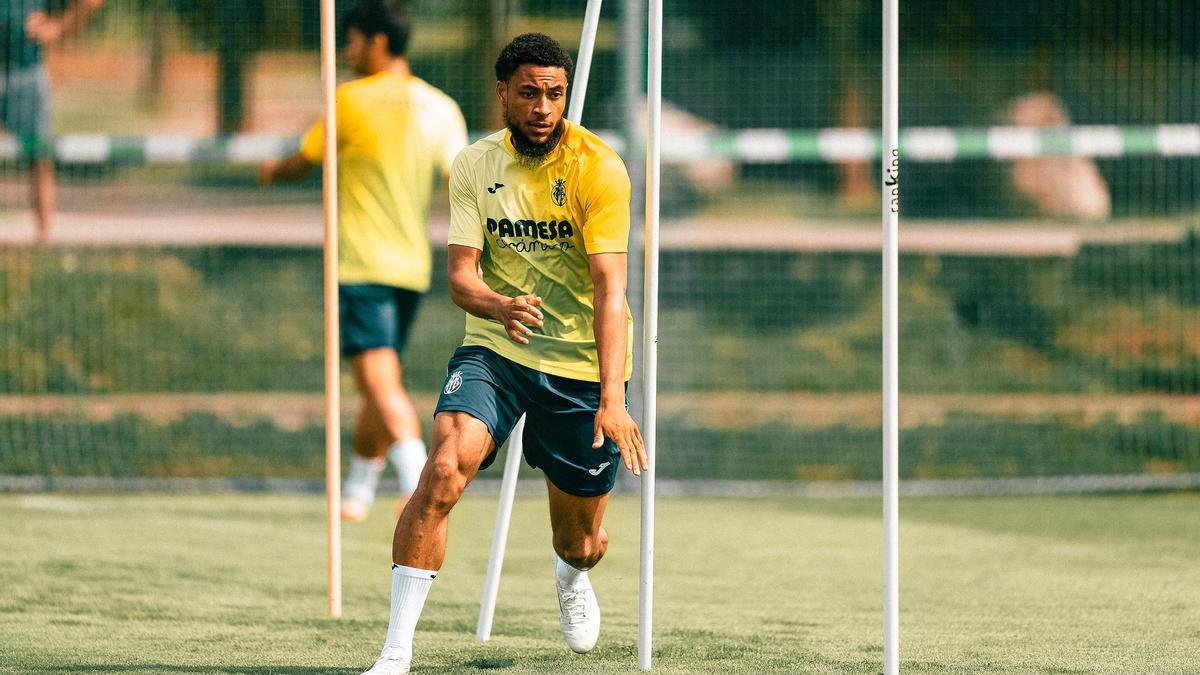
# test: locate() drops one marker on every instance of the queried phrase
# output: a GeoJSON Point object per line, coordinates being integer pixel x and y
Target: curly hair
{"type": "Point", "coordinates": [532, 48]}
{"type": "Point", "coordinates": [390, 17]}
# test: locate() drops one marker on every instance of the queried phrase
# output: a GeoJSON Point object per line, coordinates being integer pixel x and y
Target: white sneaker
{"type": "Point", "coordinates": [388, 665]}
{"type": "Point", "coordinates": [579, 615]}
{"type": "Point", "coordinates": [354, 509]}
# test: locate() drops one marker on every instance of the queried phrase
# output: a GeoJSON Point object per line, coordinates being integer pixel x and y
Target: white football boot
{"type": "Point", "coordinates": [389, 665]}
{"type": "Point", "coordinates": [579, 615]}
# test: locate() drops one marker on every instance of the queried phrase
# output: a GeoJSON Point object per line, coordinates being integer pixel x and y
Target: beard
{"type": "Point", "coordinates": [530, 154]}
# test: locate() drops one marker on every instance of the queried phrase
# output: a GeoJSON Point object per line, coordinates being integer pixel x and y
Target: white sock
{"type": "Point", "coordinates": [566, 575]}
{"type": "Point", "coordinates": [410, 587]}
{"type": "Point", "coordinates": [363, 477]}
{"type": "Point", "coordinates": [408, 456]}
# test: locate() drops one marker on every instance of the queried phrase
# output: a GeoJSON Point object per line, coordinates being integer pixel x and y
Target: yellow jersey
{"type": "Point", "coordinates": [397, 135]}
{"type": "Point", "coordinates": [535, 228]}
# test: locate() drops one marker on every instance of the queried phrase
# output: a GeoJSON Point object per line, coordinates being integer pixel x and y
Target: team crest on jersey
{"type": "Point", "coordinates": [559, 193]}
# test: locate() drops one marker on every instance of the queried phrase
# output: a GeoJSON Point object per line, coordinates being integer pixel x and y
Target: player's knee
{"type": "Point", "coordinates": [583, 551]}
{"type": "Point", "coordinates": [442, 483]}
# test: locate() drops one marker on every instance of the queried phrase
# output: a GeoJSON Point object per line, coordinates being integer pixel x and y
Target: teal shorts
{"type": "Point", "coordinates": [560, 417]}
{"type": "Point", "coordinates": [374, 316]}
{"type": "Point", "coordinates": [24, 103]}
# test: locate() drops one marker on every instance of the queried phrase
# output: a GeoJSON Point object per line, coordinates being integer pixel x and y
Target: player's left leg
{"type": "Point", "coordinates": [559, 431]}
{"type": "Point", "coordinates": [579, 543]}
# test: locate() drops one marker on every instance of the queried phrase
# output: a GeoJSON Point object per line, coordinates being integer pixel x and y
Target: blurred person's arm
{"type": "Point", "coordinates": [45, 29]}
{"type": "Point", "coordinates": [299, 165]}
{"type": "Point", "coordinates": [296, 167]}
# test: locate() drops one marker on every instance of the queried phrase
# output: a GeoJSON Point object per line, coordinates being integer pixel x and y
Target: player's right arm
{"type": "Point", "coordinates": [467, 287]}
{"type": "Point", "coordinates": [296, 167]}
{"type": "Point", "coordinates": [46, 30]}
{"type": "Point", "coordinates": [469, 291]}
{"type": "Point", "coordinates": [299, 165]}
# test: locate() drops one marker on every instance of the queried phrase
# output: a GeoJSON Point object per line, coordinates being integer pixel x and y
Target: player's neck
{"type": "Point", "coordinates": [397, 66]}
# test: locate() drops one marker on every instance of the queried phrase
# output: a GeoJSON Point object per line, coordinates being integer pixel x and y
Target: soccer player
{"type": "Point", "coordinates": [396, 137]}
{"type": "Point", "coordinates": [539, 223]}
{"type": "Point", "coordinates": [25, 29]}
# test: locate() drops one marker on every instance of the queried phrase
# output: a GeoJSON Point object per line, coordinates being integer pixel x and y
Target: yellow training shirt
{"type": "Point", "coordinates": [396, 136]}
{"type": "Point", "coordinates": [536, 228]}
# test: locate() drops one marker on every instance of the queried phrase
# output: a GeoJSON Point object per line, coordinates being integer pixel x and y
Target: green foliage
{"type": "Point", "coordinates": [248, 319]}
{"type": "Point", "coordinates": [196, 319]}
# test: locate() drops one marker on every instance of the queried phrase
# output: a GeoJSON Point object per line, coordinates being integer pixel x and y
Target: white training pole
{"type": "Point", "coordinates": [508, 491]}
{"type": "Point", "coordinates": [333, 423]}
{"type": "Point", "coordinates": [891, 348]}
{"type": "Point", "coordinates": [512, 463]}
{"type": "Point", "coordinates": [583, 62]}
{"type": "Point", "coordinates": [650, 331]}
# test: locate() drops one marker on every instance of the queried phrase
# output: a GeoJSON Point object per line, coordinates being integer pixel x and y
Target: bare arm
{"type": "Point", "coordinates": [608, 272]}
{"type": "Point", "coordinates": [46, 29]}
{"type": "Point", "coordinates": [293, 168]}
{"type": "Point", "coordinates": [468, 291]}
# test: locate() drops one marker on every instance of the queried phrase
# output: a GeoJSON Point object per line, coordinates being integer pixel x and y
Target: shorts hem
{"type": "Point", "coordinates": [473, 412]}
{"type": "Point", "coordinates": [355, 350]}
{"type": "Point", "coordinates": [577, 492]}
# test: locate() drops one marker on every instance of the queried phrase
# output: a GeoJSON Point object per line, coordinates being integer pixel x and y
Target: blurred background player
{"type": "Point", "coordinates": [25, 28]}
{"type": "Point", "coordinates": [396, 137]}
{"type": "Point", "coordinates": [539, 228]}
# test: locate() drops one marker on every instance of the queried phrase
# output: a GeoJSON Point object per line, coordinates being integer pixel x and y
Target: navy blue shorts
{"type": "Point", "coordinates": [560, 417]}
{"type": "Point", "coordinates": [374, 316]}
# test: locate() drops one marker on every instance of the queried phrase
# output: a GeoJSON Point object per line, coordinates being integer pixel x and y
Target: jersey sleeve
{"type": "Point", "coordinates": [455, 137]}
{"type": "Point", "coordinates": [312, 144]}
{"type": "Point", "coordinates": [606, 207]}
{"type": "Point", "coordinates": [466, 229]}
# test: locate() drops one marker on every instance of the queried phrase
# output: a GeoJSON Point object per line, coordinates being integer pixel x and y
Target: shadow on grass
{"type": "Point", "coordinates": [480, 664]}
{"type": "Point", "coordinates": [147, 668]}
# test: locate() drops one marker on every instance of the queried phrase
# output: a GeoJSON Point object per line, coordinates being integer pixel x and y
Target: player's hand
{"type": "Point", "coordinates": [266, 172]}
{"type": "Point", "coordinates": [518, 314]}
{"type": "Point", "coordinates": [613, 421]}
{"type": "Point", "coordinates": [42, 29]}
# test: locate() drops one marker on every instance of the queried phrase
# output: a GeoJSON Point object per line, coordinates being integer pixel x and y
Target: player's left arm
{"type": "Point", "coordinates": [605, 201]}
{"type": "Point", "coordinates": [608, 271]}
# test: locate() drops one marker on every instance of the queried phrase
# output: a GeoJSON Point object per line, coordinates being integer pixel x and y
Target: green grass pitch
{"type": "Point", "coordinates": [235, 584]}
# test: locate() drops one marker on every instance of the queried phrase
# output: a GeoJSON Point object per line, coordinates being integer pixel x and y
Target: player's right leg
{"type": "Point", "coordinates": [460, 444]}
{"type": "Point", "coordinates": [475, 413]}
{"type": "Point", "coordinates": [389, 412]}
{"type": "Point", "coordinates": [387, 428]}
{"type": "Point", "coordinates": [43, 196]}
{"type": "Point", "coordinates": [367, 464]}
